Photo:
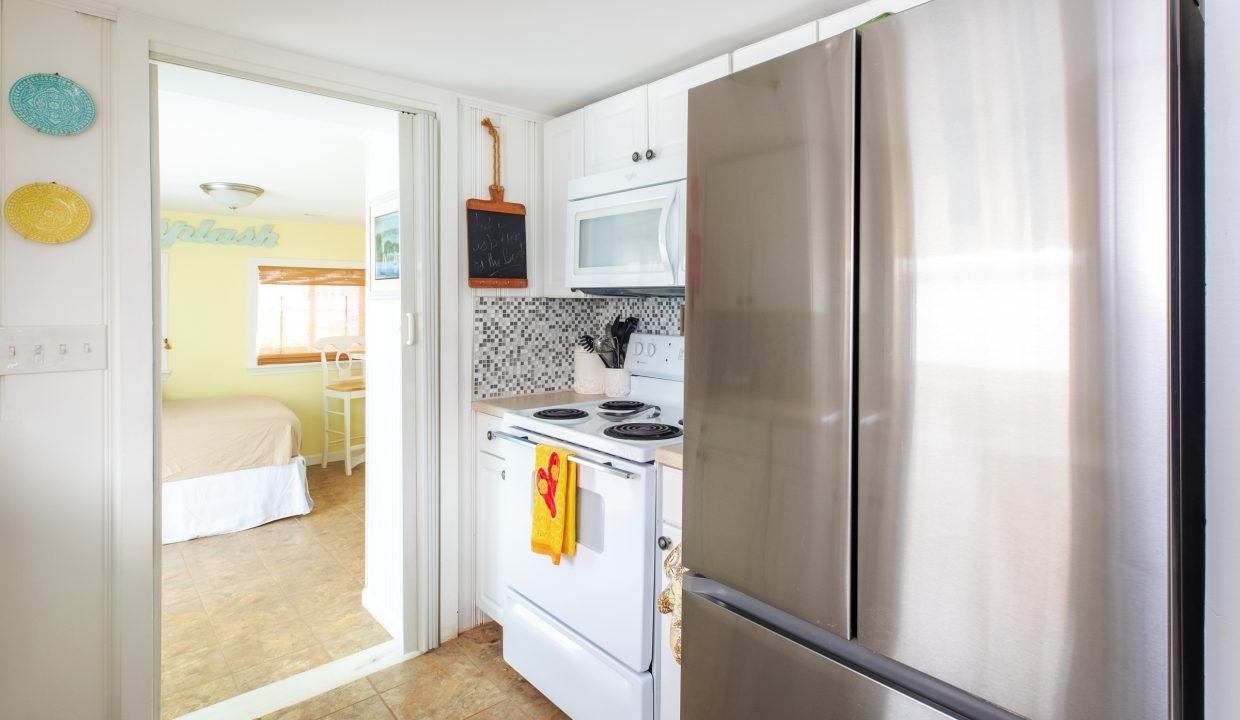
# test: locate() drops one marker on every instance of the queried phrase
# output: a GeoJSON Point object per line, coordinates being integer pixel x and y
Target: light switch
{"type": "Point", "coordinates": [70, 348]}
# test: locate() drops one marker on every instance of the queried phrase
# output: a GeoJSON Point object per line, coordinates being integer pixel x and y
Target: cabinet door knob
{"type": "Point", "coordinates": [665, 542]}
{"type": "Point", "coordinates": [503, 474]}
{"type": "Point", "coordinates": [637, 156]}
{"type": "Point", "coordinates": [649, 154]}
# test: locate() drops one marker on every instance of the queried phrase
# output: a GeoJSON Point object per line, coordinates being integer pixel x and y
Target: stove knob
{"type": "Point", "coordinates": [638, 348]}
{"type": "Point", "coordinates": [650, 349]}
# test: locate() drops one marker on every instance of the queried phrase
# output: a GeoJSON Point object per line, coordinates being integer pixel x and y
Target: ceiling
{"type": "Point", "coordinates": [547, 56]}
{"type": "Point", "coordinates": [308, 152]}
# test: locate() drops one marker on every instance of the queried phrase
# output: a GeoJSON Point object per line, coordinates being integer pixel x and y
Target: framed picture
{"type": "Point", "coordinates": [383, 244]}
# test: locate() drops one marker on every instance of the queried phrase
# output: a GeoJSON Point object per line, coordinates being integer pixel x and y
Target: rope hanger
{"type": "Point", "coordinates": [497, 190]}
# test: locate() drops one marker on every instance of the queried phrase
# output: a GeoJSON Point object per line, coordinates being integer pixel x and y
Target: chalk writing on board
{"type": "Point", "coordinates": [496, 245]}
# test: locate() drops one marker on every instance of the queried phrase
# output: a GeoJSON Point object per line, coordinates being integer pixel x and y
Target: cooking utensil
{"type": "Point", "coordinates": [655, 411]}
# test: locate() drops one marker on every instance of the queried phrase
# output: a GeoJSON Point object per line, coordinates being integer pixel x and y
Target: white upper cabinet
{"type": "Point", "coordinates": [773, 47]}
{"type": "Point", "coordinates": [614, 131]}
{"type": "Point", "coordinates": [562, 161]}
{"type": "Point", "coordinates": [668, 104]}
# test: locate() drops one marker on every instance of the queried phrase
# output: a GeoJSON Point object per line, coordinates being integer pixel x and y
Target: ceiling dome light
{"type": "Point", "coordinates": [233, 196]}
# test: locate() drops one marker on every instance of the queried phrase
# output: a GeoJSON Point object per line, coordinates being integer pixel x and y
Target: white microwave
{"type": "Point", "coordinates": [626, 231]}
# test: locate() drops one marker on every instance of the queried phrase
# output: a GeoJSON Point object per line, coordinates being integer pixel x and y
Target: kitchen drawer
{"type": "Point", "coordinates": [671, 493]}
{"type": "Point", "coordinates": [483, 424]}
{"type": "Point", "coordinates": [582, 680]}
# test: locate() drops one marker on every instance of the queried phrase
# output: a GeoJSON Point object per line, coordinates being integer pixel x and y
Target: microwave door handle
{"type": "Point", "coordinates": [664, 216]}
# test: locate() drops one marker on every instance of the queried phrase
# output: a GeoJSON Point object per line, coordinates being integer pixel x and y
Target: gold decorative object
{"type": "Point", "coordinates": [47, 213]}
{"type": "Point", "coordinates": [669, 599]}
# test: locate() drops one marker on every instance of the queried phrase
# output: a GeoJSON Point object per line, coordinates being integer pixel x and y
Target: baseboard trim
{"type": "Point", "coordinates": [303, 686]}
{"type": "Point", "coordinates": [335, 456]}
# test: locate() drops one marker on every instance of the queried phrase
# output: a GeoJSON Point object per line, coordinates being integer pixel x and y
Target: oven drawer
{"type": "Point", "coordinates": [583, 681]}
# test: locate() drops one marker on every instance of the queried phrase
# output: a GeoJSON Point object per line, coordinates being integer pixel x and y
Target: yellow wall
{"type": "Point", "coordinates": [208, 316]}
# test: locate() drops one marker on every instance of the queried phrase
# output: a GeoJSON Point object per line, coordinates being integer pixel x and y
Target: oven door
{"type": "Point", "coordinates": [627, 239]}
{"type": "Point", "coordinates": [605, 592]}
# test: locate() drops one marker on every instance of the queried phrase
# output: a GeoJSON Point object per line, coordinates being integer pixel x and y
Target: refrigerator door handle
{"type": "Point", "coordinates": [902, 678]}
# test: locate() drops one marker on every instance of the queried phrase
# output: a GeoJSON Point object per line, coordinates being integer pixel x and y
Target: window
{"type": "Point", "coordinates": [294, 306]}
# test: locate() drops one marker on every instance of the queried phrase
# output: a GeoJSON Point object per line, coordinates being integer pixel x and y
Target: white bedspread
{"type": "Point", "coordinates": [235, 500]}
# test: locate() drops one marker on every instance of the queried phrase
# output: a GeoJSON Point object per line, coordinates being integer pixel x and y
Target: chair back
{"type": "Point", "coordinates": [335, 359]}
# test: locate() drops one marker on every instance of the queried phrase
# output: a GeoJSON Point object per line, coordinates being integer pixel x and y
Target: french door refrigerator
{"type": "Point", "coordinates": [943, 393]}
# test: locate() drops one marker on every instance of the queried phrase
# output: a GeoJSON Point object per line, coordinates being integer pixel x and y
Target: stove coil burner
{"type": "Point", "coordinates": [621, 405]}
{"type": "Point", "coordinates": [561, 414]}
{"type": "Point", "coordinates": [643, 431]}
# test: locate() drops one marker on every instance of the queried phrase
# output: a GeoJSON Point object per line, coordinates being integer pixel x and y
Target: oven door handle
{"type": "Point", "coordinates": [605, 467]}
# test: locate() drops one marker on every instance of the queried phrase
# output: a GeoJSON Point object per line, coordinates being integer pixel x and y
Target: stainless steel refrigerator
{"type": "Point", "coordinates": [943, 396]}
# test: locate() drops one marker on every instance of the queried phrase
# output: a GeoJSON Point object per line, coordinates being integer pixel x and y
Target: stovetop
{"type": "Point", "coordinates": [592, 430]}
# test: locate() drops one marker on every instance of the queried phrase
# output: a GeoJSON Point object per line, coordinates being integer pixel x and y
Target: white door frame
{"type": "Point", "coordinates": [133, 281]}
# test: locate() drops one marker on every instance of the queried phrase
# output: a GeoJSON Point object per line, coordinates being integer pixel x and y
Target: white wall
{"type": "Point", "coordinates": [78, 613]}
{"type": "Point", "coordinates": [1222, 359]}
{"type": "Point", "coordinates": [55, 596]}
{"type": "Point", "coordinates": [520, 158]}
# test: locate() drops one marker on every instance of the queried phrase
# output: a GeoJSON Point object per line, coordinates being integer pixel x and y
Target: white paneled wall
{"type": "Point", "coordinates": [55, 496]}
{"type": "Point", "coordinates": [519, 160]}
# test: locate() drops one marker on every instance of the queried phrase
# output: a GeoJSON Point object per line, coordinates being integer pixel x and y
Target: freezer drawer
{"type": "Point", "coordinates": [734, 668]}
{"type": "Point", "coordinates": [1013, 506]}
{"type": "Point", "coordinates": [769, 382]}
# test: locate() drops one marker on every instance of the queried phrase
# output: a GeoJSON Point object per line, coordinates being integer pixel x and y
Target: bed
{"type": "Point", "coordinates": [230, 464]}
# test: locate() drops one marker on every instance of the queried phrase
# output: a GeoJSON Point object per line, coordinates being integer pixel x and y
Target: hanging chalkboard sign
{"type": "Point", "coordinates": [496, 234]}
{"type": "Point", "coordinates": [496, 246]}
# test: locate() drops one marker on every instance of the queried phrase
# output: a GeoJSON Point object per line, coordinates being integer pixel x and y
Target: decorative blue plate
{"type": "Point", "coordinates": [52, 104]}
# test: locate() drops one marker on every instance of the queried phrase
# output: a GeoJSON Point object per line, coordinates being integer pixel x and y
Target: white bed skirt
{"type": "Point", "coordinates": [232, 501]}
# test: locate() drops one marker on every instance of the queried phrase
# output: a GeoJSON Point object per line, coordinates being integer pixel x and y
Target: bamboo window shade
{"type": "Point", "coordinates": [276, 275]}
{"type": "Point", "coordinates": [297, 305]}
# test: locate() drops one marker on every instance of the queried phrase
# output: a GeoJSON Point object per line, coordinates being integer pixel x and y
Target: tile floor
{"type": "Point", "coordinates": [465, 678]}
{"type": "Point", "coordinates": [246, 609]}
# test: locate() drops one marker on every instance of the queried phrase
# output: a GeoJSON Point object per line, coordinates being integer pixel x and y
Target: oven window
{"type": "Point", "coordinates": [626, 240]}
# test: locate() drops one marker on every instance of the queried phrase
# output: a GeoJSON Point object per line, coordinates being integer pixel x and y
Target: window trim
{"type": "Point", "coordinates": [253, 365]}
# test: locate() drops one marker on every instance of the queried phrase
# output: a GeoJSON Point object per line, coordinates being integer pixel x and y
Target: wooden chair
{"type": "Point", "coordinates": [343, 380]}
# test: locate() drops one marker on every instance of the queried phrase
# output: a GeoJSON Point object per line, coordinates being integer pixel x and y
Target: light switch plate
{"type": "Point", "coordinates": [69, 348]}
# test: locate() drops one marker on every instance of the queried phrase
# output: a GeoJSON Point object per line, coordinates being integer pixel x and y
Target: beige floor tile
{"type": "Point", "coordinates": [356, 641]}
{"type": "Point", "coordinates": [185, 627]}
{"type": "Point", "coordinates": [336, 619]}
{"type": "Point", "coordinates": [192, 669]}
{"type": "Point", "coordinates": [248, 614]}
{"type": "Point", "coordinates": [446, 658]}
{"type": "Point", "coordinates": [327, 585]}
{"type": "Point", "coordinates": [232, 604]}
{"type": "Point", "coordinates": [440, 695]}
{"type": "Point", "coordinates": [186, 701]}
{"type": "Point", "coordinates": [518, 689]}
{"type": "Point", "coordinates": [272, 670]}
{"type": "Point", "coordinates": [228, 574]}
{"type": "Point", "coordinates": [187, 638]}
{"type": "Point", "coordinates": [370, 709]}
{"type": "Point", "coordinates": [269, 644]}
{"type": "Point", "coordinates": [507, 710]}
{"type": "Point", "coordinates": [483, 644]}
{"type": "Point", "coordinates": [329, 702]}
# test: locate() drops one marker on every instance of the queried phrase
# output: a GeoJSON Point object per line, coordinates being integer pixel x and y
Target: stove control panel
{"type": "Point", "coordinates": [658, 356]}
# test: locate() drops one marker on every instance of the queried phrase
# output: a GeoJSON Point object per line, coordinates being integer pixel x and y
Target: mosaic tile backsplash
{"type": "Point", "coordinates": [525, 345]}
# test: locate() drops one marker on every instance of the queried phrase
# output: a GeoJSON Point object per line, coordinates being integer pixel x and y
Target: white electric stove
{"type": "Point", "coordinates": [655, 406]}
{"type": "Point", "coordinates": [582, 632]}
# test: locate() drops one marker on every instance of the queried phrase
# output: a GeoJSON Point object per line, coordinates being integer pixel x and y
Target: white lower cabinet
{"type": "Point", "coordinates": [666, 669]}
{"type": "Point", "coordinates": [490, 479]}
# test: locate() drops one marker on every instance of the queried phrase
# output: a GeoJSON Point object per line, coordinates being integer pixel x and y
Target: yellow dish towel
{"type": "Point", "coordinates": [555, 503]}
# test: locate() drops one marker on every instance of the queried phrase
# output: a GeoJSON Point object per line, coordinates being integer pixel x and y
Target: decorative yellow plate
{"type": "Point", "coordinates": [47, 213]}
